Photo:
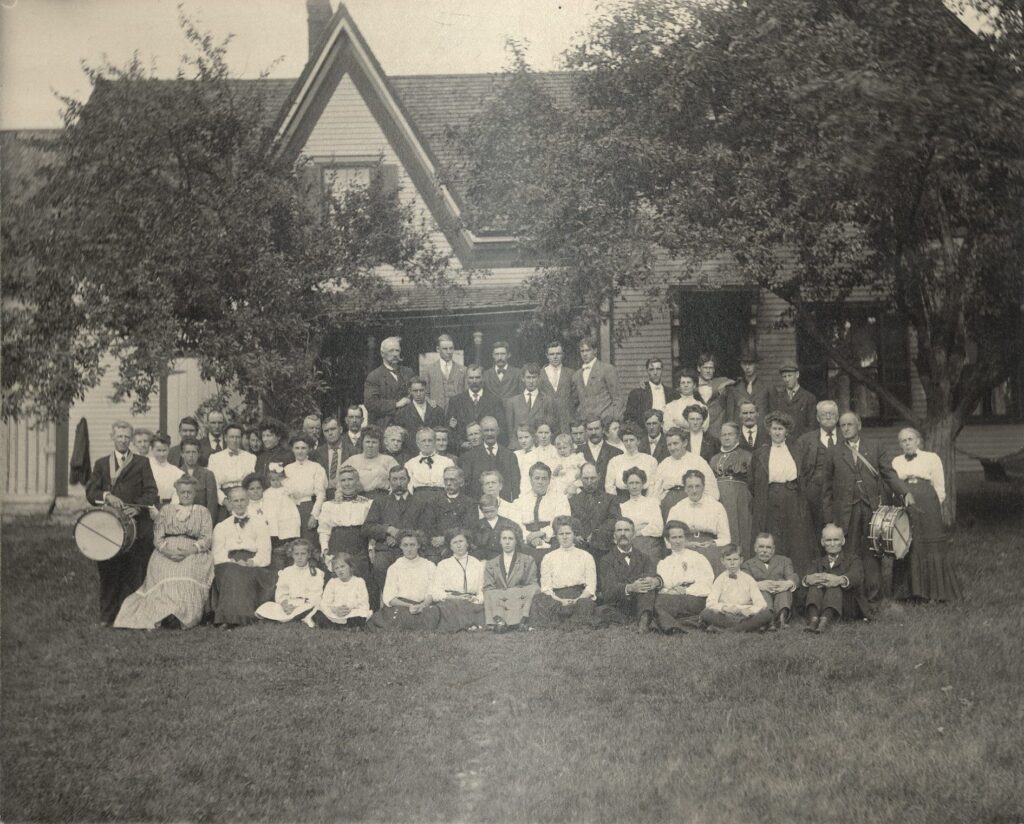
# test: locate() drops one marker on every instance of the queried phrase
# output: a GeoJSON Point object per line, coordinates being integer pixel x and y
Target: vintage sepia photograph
{"type": "Point", "coordinates": [512, 411]}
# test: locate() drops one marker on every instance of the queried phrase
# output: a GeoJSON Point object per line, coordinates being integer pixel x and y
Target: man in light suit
{"type": "Point", "coordinates": [386, 388]}
{"type": "Point", "coordinates": [501, 380]}
{"type": "Point", "coordinates": [531, 406]}
{"type": "Point", "coordinates": [556, 381]}
{"type": "Point", "coordinates": [124, 480]}
{"type": "Point", "coordinates": [445, 378]}
{"type": "Point", "coordinates": [858, 479]}
{"type": "Point", "coordinates": [652, 395]}
{"type": "Point", "coordinates": [596, 386]}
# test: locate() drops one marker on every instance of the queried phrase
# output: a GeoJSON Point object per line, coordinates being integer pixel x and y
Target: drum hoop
{"type": "Point", "coordinates": [122, 521]}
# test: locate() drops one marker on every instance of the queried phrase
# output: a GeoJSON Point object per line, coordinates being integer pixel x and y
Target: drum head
{"type": "Point", "coordinates": [99, 534]}
{"type": "Point", "coordinates": [900, 538]}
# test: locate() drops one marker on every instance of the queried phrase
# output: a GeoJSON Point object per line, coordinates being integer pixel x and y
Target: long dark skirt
{"type": "Point", "coordinates": [738, 503]}
{"type": "Point", "coordinates": [305, 510]}
{"type": "Point", "coordinates": [457, 615]}
{"type": "Point", "coordinates": [236, 592]}
{"type": "Point", "coordinates": [931, 569]}
{"type": "Point", "coordinates": [545, 611]}
{"type": "Point", "coordinates": [399, 617]}
{"type": "Point", "coordinates": [789, 521]}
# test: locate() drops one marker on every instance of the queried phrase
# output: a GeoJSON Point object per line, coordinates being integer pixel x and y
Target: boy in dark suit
{"type": "Point", "coordinates": [124, 480]}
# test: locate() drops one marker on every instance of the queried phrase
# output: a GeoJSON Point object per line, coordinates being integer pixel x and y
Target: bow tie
{"type": "Point", "coordinates": [910, 457]}
{"type": "Point", "coordinates": [428, 460]}
{"type": "Point", "coordinates": [241, 521]}
{"type": "Point", "coordinates": [349, 497]}
{"type": "Point", "coordinates": [732, 574]}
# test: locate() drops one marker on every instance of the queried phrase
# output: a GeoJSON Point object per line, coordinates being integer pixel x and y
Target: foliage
{"type": "Point", "coordinates": [914, 717]}
{"type": "Point", "coordinates": [818, 149]}
{"type": "Point", "coordinates": [168, 223]}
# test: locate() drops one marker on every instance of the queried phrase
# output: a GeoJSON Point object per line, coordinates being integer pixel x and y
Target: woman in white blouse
{"type": "Point", "coordinates": [306, 482]}
{"type": "Point", "coordinates": [407, 600]}
{"type": "Point", "coordinates": [645, 513]}
{"type": "Point", "coordinates": [164, 473]}
{"type": "Point", "coordinates": [931, 572]}
{"type": "Point", "coordinates": [631, 457]}
{"type": "Point", "coordinates": [779, 473]}
{"type": "Point", "coordinates": [458, 586]}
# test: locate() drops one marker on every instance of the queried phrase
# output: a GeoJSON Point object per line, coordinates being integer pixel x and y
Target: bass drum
{"type": "Point", "coordinates": [104, 533]}
{"type": "Point", "coordinates": [889, 532]}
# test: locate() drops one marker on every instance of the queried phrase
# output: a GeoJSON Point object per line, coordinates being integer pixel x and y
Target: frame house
{"type": "Point", "coordinates": [345, 114]}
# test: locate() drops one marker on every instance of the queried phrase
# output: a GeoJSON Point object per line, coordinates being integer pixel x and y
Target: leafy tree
{"type": "Point", "coordinates": [167, 222]}
{"type": "Point", "coordinates": [821, 149]}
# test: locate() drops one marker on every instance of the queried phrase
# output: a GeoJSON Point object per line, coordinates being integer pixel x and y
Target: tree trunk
{"type": "Point", "coordinates": [940, 437]}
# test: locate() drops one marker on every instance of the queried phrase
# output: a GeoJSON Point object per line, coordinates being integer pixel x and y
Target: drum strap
{"type": "Point", "coordinates": [857, 456]}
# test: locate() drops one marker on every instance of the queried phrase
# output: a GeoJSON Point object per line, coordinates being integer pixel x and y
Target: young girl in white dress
{"type": "Point", "coordinates": [345, 603]}
{"type": "Point", "coordinates": [565, 470]}
{"type": "Point", "coordinates": [299, 587]}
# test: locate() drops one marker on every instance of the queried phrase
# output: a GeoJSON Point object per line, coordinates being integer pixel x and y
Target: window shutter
{"type": "Point", "coordinates": [389, 177]}
{"type": "Point", "coordinates": [312, 185]}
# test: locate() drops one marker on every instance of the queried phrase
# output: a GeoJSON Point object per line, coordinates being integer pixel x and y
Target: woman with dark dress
{"type": "Point", "coordinates": [932, 576]}
{"type": "Point", "coordinates": [732, 469]}
{"type": "Point", "coordinates": [779, 473]}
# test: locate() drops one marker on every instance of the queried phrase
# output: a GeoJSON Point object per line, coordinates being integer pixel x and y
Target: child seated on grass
{"type": "Point", "coordinates": [735, 603]}
{"type": "Point", "coordinates": [345, 602]}
{"type": "Point", "coordinates": [299, 587]}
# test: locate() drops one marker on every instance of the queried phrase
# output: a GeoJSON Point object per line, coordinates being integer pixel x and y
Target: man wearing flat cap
{"type": "Point", "coordinates": [793, 400]}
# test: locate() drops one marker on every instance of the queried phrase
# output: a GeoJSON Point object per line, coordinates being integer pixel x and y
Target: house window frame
{"type": "Point", "coordinates": [327, 164]}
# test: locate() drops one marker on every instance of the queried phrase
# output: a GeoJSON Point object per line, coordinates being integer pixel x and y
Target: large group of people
{"type": "Point", "coordinates": [524, 498]}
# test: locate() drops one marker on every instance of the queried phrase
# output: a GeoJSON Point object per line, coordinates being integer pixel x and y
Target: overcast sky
{"type": "Point", "coordinates": [42, 42]}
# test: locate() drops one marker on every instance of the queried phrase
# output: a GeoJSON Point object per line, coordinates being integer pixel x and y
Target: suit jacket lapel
{"type": "Point", "coordinates": [115, 473]}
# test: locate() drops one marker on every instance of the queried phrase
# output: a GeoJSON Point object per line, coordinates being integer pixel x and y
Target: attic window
{"type": "Point", "coordinates": [339, 179]}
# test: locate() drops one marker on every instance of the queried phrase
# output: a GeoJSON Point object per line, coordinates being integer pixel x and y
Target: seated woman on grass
{"type": "Point", "coordinates": [299, 587]}
{"type": "Point", "coordinates": [458, 585]}
{"type": "Point", "coordinates": [241, 552]}
{"type": "Point", "coordinates": [510, 583]}
{"type": "Point", "coordinates": [568, 581]}
{"type": "Point", "coordinates": [406, 600]}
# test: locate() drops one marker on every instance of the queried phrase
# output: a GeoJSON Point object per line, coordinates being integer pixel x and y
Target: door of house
{"type": "Point", "coordinates": [711, 320]}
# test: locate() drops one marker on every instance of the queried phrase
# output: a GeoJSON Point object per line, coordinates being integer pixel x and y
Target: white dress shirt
{"type": "Point", "coordinates": [279, 512]}
{"type": "Point", "coordinates": [554, 374]}
{"type": "Point", "coordinates": [741, 594]}
{"type": "Point", "coordinates": [927, 466]}
{"type": "Point", "coordinates": [423, 474]}
{"type": "Point", "coordinates": [228, 469]}
{"type": "Point", "coordinates": [706, 516]}
{"type": "Point", "coordinates": [823, 437]}
{"type": "Point", "coordinates": [749, 436]}
{"type": "Point", "coordinates": [585, 370]}
{"type": "Point", "coordinates": [551, 506]}
{"type": "Point", "coordinates": [671, 470]}
{"type": "Point", "coordinates": [462, 577]}
{"type": "Point", "coordinates": [526, 459]}
{"type": "Point", "coordinates": [373, 474]}
{"type": "Point", "coordinates": [298, 584]}
{"type": "Point", "coordinates": [165, 475]}
{"type": "Point", "coordinates": [781, 466]}
{"type": "Point", "coordinates": [254, 537]}
{"type": "Point", "coordinates": [341, 513]}
{"type": "Point", "coordinates": [412, 580]}
{"type": "Point", "coordinates": [657, 396]}
{"type": "Point", "coordinates": [306, 481]}
{"type": "Point", "coordinates": [686, 573]}
{"type": "Point", "coordinates": [613, 481]}
{"type": "Point", "coordinates": [674, 412]}
{"type": "Point", "coordinates": [696, 442]}
{"type": "Point", "coordinates": [644, 510]}
{"type": "Point", "coordinates": [567, 568]}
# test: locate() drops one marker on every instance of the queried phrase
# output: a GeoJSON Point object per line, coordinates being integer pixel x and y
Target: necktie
{"type": "Point", "coordinates": [119, 460]}
{"type": "Point", "coordinates": [490, 451]}
{"type": "Point", "coordinates": [911, 457]}
{"type": "Point", "coordinates": [446, 369]}
{"type": "Point", "coordinates": [750, 436]}
{"type": "Point", "coordinates": [476, 397]}
{"type": "Point", "coordinates": [428, 460]}
{"type": "Point", "coordinates": [536, 508]}
{"type": "Point", "coordinates": [831, 440]}
{"type": "Point", "coordinates": [241, 521]}
{"type": "Point", "coordinates": [627, 557]}
{"type": "Point", "coordinates": [529, 400]}
{"type": "Point", "coordinates": [216, 445]}
{"type": "Point", "coordinates": [334, 464]}
{"type": "Point", "coordinates": [465, 580]}
{"type": "Point", "coordinates": [500, 373]}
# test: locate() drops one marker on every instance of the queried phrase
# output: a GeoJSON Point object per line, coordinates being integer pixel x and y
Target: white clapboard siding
{"type": "Point", "coordinates": [348, 129]}
{"type": "Point", "coordinates": [186, 390]}
{"type": "Point", "coordinates": [29, 454]}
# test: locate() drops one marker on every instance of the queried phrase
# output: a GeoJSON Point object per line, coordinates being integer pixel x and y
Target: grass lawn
{"type": "Point", "coordinates": [915, 717]}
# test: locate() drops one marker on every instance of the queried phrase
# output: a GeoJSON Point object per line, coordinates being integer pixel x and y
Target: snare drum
{"type": "Point", "coordinates": [889, 532]}
{"type": "Point", "coordinates": [104, 533]}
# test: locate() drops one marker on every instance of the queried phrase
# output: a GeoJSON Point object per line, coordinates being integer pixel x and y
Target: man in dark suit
{"type": "Point", "coordinates": [596, 510]}
{"type": "Point", "coordinates": [627, 582]}
{"type": "Point", "coordinates": [699, 442]}
{"type": "Point", "coordinates": [794, 400]}
{"type": "Point", "coordinates": [597, 450]}
{"type": "Point", "coordinates": [834, 586]}
{"type": "Point", "coordinates": [821, 440]}
{"type": "Point", "coordinates": [386, 388]}
{"type": "Point", "coordinates": [388, 516]}
{"type": "Point", "coordinates": [858, 479]}
{"type": "Point", "coordinates": [596, 386]}
{"type": "Point", "coordinates": [491, 455]}
{"type": "Point", "coordinates": [501, 380]}
{"type": "Point", "coordinates": [653, 442]}
{"type": "Point", "coordinates": [531, 406]}
{"type": "Point", "coordinates": [331, 453]}
{"type": "Point", "coordinates": [352, 437]}
{"type": "Point", "coordinates": [206, 483]}
{"type": "Point", "coordinates": [556, 381]}
{"type": "Point", "coordinates": [421, 412]}
{"type": "Point", "coordinates": [472, 406]}
{"type": "Point", "coordinates": [123, 480]}
{"type": "Point", "coordinates": [753, 434]}
{"type": "Point", "coordinates": [652, 395]}
{"type": "Point", "coordinates": [487, 535]}
{"type": "Point", "coordinates": [452, 510]}
{"type": "Point", "coordinates": [188, 429]}
{"type": "Point", "coordinates": [213, 441]}
{"type": "Point", "coordinates": [750, 387]}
